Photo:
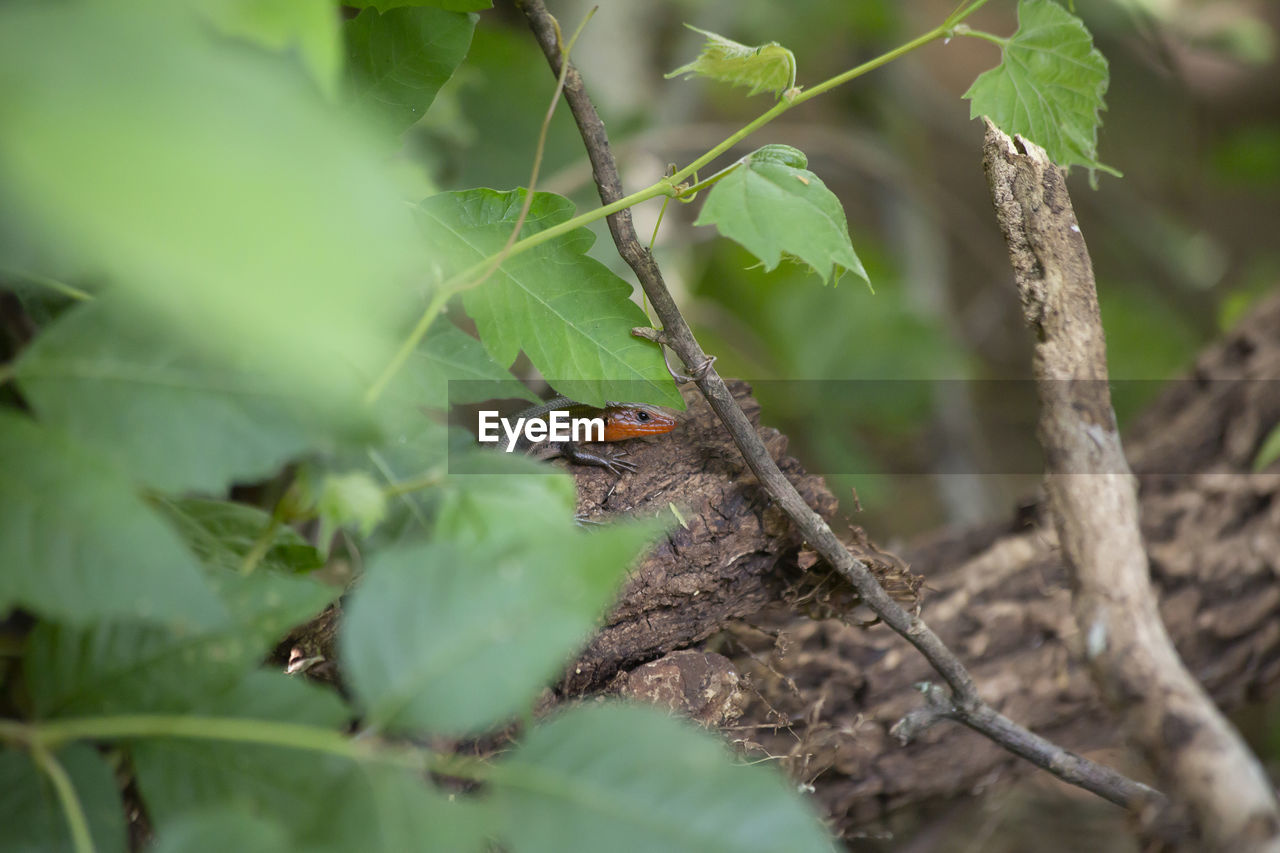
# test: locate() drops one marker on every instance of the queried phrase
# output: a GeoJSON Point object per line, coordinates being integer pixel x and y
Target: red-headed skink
{"type": "Point", "coordinates": [622, 421]}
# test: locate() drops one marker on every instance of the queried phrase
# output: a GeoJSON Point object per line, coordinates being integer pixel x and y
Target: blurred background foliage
{"type": "Point", "coordinates": [1182, 245]}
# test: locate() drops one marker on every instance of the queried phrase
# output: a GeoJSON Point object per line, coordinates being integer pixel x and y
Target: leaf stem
{"type": "Point", "coordinates": [262, 544]}
{"type": "Point", "coordinates": [962, 30]}
{"type": "Point", "coordinates": [711, 181]}
{"type": "Point", "coordinates": [438, 300]}
{"type": "Point", "coordinates": [47, 735]}
{"type": "Point", "coordinates": [81, 839]}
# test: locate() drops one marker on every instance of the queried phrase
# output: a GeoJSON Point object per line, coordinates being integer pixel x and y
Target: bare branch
{"type": "Point", "coordinates": [1094, 501]}
{"type": "Point", "coordinates": [966, 706]}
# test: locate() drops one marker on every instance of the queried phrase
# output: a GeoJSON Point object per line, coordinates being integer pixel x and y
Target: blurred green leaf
{"type": "Point", "coordinates": [352, 499]}
{"type": "Point", "coordinates": [221, 533]}
{"type": "Point", "coordinates": [122, 667]}
{"type": "Point", "coordinates": [1049, 85]}
{"type": "Point", "coordinates": [426, 620]}
{"type": "Point", "coordinates": [776, 208]}
{"type": "Point", "coordinates": [31, 816]}
{"type": "Point", "coordinates": [400, 58]}
{"type": "Point", "coordinates": [322, 802]}
{"type": "Point", "coordinates": [76, 543]}
{"type": "Point", "coordinates": [227, 202]}
{"type": "Point", "coordinates": [489, 488]}
{"type": "Point", "coordinates": [764, 68]}
{"type": "Point", "coordinates": [568, 312]}
{"type": "Point", "coordinates": [611, 776]}
{"type": "Point", "coordinates": [311, 27]}
{"type": "Point", "coordinates": [217, 830]}
{"type": "Point", "coordinates": [176, 421]}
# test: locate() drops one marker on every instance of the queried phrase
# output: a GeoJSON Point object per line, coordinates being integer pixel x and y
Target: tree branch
{"type": "Point", "coordinates": [1094, 501]}
{"type": "Point", "coordinates": [966, 705]}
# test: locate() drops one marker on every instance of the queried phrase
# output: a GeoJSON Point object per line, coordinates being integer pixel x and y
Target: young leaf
{"type": "Point", "coordinates": [567, 311]}
{"type": "Point", "coordinates": [31, 815]}
{"type": "Point", "coordinates": [175, 420]}
{"type": "Point", "coordinates": [765, 68]}
{"type": "Point", "coordinates": [601, 773]}
{"type": "Point", "coordinates": [426, 621]}
{"type": "Point", "coordinates": [1048, 86]}
{"type": "Point", "coordinates": [775, 207]}
{"type": "Point", "coordinates": [400, 58]}
{"type": "Point", "coordinates": [76, 542]}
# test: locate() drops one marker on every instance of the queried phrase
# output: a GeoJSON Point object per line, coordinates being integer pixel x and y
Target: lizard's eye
{"type": "Point", "coordinates": [642, 416]}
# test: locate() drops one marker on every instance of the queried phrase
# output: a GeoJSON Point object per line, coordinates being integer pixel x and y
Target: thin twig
{"type": "Point", "coordinates": [966, 706]}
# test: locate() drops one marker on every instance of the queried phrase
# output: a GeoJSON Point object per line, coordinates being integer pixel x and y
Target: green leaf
{"type": "Point", "coordinates": [453, 356]}
{"type": "Point", "coordinates": [178, 422]}
{"type": "Point", "coordinates": [765, 68]}
{"type": "Point", "coordinates": [76, 542]}
{"type": "Point", "coordinates": [322, 802]}
{"type": "Point", "coordinates": [399, 59]}
{"type": "Point", "coordinates": [221, 533]}
{"type": "Point", "coordinates": [129, 668]}
{"type": "Point", "coordinates": [311, 27]}
{"type": "Point", "coordinates": [598, 774]}
{"type": "Point", "coordinates": [776, 208]}
{"type": "Point", "coordinates": [32, 819]}
{"type": "Point", "coordinates": [568, 312]}
{"type": "Point", "coordinates": [452, 640]}
{"type": "Point", "coordinates": [218, 829]}
{"type": "Point", "coordinates": [214, 189]}
{"type": "Point", "coordinates": [1049, 85]}
{"type": "Point", "coordinates": [492, 489]}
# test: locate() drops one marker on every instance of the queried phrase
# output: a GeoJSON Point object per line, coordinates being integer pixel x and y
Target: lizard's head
{"type": "Point", "coordinates": [632, 420]}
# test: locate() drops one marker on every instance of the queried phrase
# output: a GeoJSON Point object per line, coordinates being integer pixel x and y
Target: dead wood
{"type": "Point", "coordinates": [1198, 757]}
{"type": "Point", "coordinates": [998, 595]}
